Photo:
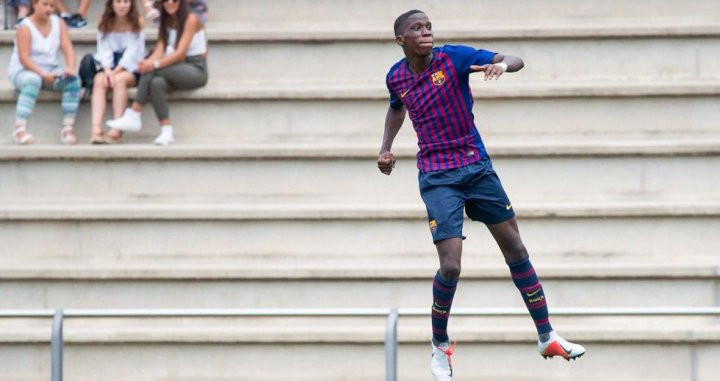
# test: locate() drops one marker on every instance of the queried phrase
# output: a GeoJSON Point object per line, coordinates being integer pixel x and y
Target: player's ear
{"type": "Point", "coordinates": [400, 40]}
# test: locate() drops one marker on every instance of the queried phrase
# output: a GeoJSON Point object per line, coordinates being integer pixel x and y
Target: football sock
{"type": "Point", "coordinates": [443, 292]}
{"type": "Point", "coordinates": [525, 279]}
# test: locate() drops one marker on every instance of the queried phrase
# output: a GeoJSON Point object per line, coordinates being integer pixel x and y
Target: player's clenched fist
{"type": "Point", "coordinates": [386, 162]}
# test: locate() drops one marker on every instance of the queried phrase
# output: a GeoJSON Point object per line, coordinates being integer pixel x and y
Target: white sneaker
{"type": "Point", "coordinates": [166, 136]}
{"type": "Point", "coordinates": [557, 346]}
{"type": "Point", "coordinates": [441, 362]}
{"type": "Point", "coordinates": [130, 121]}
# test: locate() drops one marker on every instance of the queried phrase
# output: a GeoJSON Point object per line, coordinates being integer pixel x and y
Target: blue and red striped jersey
{"type": "Point", "coordinates": [439, 103]}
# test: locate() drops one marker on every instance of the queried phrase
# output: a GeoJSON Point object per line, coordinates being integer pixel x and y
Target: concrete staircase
{"type": "Point", "coordinates": [608, 143]}
{"type": "Point", "coordinates": [351, 349]}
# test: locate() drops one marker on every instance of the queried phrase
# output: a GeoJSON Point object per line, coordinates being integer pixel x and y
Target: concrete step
{"type": "Point", "coordinates": [644, 227]}
{"type": "Point", "coordinates": [347, 282]}
{"type": "Point", "coordinates": [673, 167]}
{"type": "Point", "coordinates": [220, 349]}
{"type": "Point", "coordinates": [367, 53]}
{"type": "Point", "coordinates": [341, 113]}
{"type": "Point", "coordinates": [308, 12]}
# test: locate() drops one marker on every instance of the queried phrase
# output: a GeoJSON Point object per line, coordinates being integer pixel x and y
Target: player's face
{"type": "Point", "coordinates": [418, 36]}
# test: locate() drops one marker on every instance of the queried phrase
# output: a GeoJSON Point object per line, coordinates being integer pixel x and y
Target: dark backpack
{"type": "Point", "coordinates": [87, 71]}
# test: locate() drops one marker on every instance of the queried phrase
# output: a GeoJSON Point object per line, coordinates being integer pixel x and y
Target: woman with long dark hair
{"type": "Point", "coordinates": [179, 62]}
{"type": "Point", "coordinates": [120, 48]}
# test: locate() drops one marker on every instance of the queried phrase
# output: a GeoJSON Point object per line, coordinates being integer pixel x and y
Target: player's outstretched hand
{"type": "Point", "coordinates": [386, 162]}
{"type": "Point", "coordinates": [491, 70]}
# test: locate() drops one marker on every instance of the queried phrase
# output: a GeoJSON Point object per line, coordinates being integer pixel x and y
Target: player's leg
{"type": "Point", "coordinates": [523, 274]}
{"type": "Point", "coordinates": [488, 203]}
{"type": "Point", "coordinates": [444, 286]}
{"type": "Point", "coordinates": [550, 344]}
{"type": "Point", "coordinates": [444, 205]}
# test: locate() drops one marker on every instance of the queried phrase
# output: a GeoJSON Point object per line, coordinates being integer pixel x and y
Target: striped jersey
{"type": "Point", "coordinates": [439, 103]}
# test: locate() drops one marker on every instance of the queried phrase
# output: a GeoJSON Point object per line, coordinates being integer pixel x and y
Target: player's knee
{"type": "Point", "coordinates": [450, 270]}
{"type": "Point", "coordinates": [515, 252]}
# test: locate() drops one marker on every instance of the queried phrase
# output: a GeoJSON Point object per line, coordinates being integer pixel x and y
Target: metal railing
{"type": "Point", "coordinates": [393, 315]}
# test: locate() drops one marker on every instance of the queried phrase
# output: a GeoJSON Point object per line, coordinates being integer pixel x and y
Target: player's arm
{"type": "Point", "coordinates": [500, 64]}
{"type": "Point", "coordinates": [393, 121]}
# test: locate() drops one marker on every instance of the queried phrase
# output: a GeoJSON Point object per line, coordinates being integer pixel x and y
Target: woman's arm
{"type": "Point", "coordinates": [192, 26]}
{"type": "Point", "coordinates": [68, 51]}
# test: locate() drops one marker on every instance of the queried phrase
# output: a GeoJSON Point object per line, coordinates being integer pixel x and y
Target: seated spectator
{"type": "Point", "coordinates": [152, 9]}
{"type": "Point", "coordinates": [120, 47]}
{"type": "Point", "coordinates": [22, 7]}
{"type": "Point", "coordinates": [34, 65]}
{"type": "Point", "coordinates": [179, 62]}
{"type": "Point", "coordinates": [77, 19]}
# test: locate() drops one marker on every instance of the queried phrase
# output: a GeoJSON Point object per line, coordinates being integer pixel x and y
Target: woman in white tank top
{"type": "Point", "coordinates": [177, 63]}
{"type": "Point", "coordinates": [34, 65]}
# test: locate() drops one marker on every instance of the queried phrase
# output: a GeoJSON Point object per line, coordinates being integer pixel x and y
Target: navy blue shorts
{"type": "Point", "coordinates": [476, 188]}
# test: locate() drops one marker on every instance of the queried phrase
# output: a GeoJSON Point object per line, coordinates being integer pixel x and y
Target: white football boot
{"type": "Point", "coordinates": [557, 346]}
{"type": "Point", "coordinates": [441, 363]}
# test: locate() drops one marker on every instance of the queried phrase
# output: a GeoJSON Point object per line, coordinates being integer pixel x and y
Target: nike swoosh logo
{"type": "Point", "coordinates": [402, 95]}
{"type": "Point", "coordinates": [565, 349]}
{"type": "Point", "coordinates": [508, 206]}
{"type": "Point", "coordinates": [531, 294]}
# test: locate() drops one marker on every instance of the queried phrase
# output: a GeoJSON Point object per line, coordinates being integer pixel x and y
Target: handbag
{"type": "Point", "coordinates": [86, 72]}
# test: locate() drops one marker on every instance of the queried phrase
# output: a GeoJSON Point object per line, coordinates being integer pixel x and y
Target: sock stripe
{"type": "Point", "coordinates": [442, 288]}
{"type": "Point", "coordinates": [440, 316]}
{"type": "Point", "coordinates": [532, 288]}
{"type": "Point", "coordinates": [526, 274]}
{"type": "Point", "coordinates": [541, 322]}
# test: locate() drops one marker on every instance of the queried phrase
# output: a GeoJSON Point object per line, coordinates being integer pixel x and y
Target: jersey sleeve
{"type": "Point", "coordinates": [464, 56]}
{"type": "Point", "coordinates": [395, 101]}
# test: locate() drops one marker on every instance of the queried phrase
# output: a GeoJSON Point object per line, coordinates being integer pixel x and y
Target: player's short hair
{"type": "Point", "coordinates": [402, 19]}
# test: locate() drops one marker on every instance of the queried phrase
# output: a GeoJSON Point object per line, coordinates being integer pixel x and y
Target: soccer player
{"type": "Point", "coordinates": [431, 85]}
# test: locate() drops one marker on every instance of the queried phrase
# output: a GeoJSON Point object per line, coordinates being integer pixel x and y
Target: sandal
{"type": "Point", "coordinates": [113, 136]}
{"type": "Point", "coordinates": [67, 136]}
{"type": "Point", "coordinates": [22, 137]}
{"type": "Point", "coordinates": [97, 139]}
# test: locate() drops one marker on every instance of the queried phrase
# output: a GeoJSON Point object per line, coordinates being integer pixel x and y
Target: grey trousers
{"type": "Point", "coordinates": [187, 75]}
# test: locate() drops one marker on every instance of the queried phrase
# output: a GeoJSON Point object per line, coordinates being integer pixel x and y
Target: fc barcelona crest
{"type": "Point", "coordinates": [438, 78]}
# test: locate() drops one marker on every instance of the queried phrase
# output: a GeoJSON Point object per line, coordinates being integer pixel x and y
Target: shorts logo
{"type": "Point", "coordinates": [438, 78]}
{"type": "Point", "coordinates": [404, 93]}
{"type": "Point", "coordinates": [433, 226]}
{"type": "Point", "coordinates": [508, 206]}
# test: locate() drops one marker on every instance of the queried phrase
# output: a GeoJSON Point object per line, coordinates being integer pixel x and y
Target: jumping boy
{"type": "Point", "coordinates": [431, 85]}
